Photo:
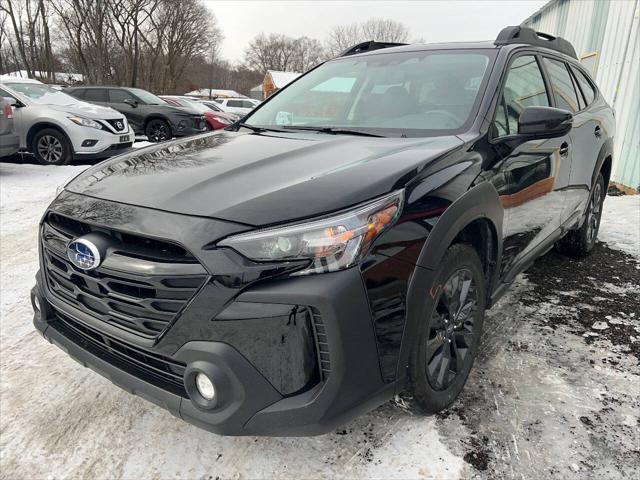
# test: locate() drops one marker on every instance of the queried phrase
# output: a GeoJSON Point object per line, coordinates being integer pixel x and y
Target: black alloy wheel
{"type": "Point", "coordinates": [594, 213]}
{"type": "Point", "coordinates": [451, 330]}
{"type": "Point", "coordinates": [578, 243]}
{"type": "Point", "coordinates": [157, 130]}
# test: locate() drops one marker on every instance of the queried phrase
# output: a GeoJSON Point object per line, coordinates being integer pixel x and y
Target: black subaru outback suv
{"type": "Point", "coordinates": [339, 246]}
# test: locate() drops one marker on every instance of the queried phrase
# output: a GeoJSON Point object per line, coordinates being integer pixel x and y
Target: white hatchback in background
{"type": "Point", "coordinates": [58, 128]}
{"type": "Point", "coordinates": [241, 106]}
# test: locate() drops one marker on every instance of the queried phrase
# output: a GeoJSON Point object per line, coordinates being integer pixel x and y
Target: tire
{"type": "Point", "coordinates": [51, 147]}
{"type": "Point", "coordinates": [157, 130]}
{"type": "Point", "coordinates": [579, 243]}
{"type": "Point", "coordinates": [442, 343]}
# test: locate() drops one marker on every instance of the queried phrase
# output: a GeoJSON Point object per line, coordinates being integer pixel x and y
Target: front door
{"type": "Point", "coordinates": [532, 176]}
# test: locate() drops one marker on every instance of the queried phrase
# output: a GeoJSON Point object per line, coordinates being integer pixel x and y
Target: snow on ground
{"type": "Point", "coordinates": [554, 392]}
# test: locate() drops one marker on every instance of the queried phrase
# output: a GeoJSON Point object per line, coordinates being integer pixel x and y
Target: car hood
{"type": "Point", "coordinates": [173, 109]}
{"type": "Point", "coordinates": [260, 179]}
{"type": "Point", "coordinates": [88, 110]}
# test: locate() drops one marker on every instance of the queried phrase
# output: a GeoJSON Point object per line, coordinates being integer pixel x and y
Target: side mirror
{"type": "Point", "coordinates": [132, 103]}
{"type": "Point", "coordinates": [544, 122]}
{"type": "Point", "coordinates": [13, 102]}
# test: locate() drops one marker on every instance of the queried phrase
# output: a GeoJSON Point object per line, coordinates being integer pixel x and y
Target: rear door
{"type": "Point", "coordinates": [589, 133]}
{"type": "Point", "coordinates": [567, 97]}
{"type": "Point", "coordinates": [531, 178]}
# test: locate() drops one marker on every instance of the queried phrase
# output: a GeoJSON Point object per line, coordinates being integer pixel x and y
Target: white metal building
{"type": "Point", "coordinates": [606, 36]}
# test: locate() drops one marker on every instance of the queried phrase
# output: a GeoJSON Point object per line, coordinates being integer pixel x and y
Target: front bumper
{"type": "Point", "coordinates": [187, 126]}
{"type": "Point", "coordinates": [249, 404]}
{"type": "Point", "coordinates": [106, 143]}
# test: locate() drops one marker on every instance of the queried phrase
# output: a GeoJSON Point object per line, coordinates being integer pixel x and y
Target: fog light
{"type": "Point", "coordinates": [205, 387]}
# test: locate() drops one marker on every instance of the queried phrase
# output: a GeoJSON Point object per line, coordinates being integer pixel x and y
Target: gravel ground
{"type": "Point", "coordinates": [555, 392]}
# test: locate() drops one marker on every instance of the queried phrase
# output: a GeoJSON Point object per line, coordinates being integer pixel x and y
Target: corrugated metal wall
{"type": "Point", "coordinates": [609, 28]}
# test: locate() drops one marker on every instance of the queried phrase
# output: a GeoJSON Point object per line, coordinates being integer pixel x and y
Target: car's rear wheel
{"type": "Point", "coordinates": [450, 332]}
{"type": "Point", "coordinates": [157, 130]}
{"type": "Point", "coordinates": [51, 147]}
{"type": "Point", "coordinates": [578, 243]}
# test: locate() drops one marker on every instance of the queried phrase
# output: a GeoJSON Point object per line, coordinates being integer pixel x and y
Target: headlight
{"type": "Point", "coordinates": [332, 243]}
{"type": "Point", "coordinates": [85, 122]}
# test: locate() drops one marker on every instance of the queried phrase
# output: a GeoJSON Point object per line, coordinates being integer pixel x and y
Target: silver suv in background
{"type": "Point", "coordinates": [9, 141]}
{"type": "Point", "coordinates": [58, 128]}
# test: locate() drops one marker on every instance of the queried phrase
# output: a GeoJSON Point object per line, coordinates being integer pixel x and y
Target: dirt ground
{"type": "Point", "coordinates": [555, 391]}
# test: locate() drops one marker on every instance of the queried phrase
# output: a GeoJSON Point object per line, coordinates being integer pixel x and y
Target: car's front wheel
{"type": "Point", "coordinates": [449, 334]}
{"type": "Point", "coordinates": [51, 147]}
{"type": "Point", "coordinates": [157, 130]}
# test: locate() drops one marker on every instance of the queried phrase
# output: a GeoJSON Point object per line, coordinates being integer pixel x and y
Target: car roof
{"type": "Point", "coordinates": [12, 79]}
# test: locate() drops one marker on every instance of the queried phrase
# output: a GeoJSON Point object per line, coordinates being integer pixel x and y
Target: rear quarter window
{"type": "Point", "coordinates": [563, 88]}
{"type": "Point", "coordinates": [586, 87]}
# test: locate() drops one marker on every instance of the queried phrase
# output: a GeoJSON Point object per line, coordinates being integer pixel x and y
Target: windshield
{"type": "Point", "coordinates": [411, 93]}
{"type": "Point", "coordinates": [197, 106]}
{"type": "Point", "coordinates": [42, 94]}
{"type": "Point", "coordinates": [147, 97]}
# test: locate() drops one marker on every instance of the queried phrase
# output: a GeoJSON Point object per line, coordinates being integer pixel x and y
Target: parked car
{"type": "Point", "coordinates": [147, 113]}
{"type": "Point", "coordinates": [215, 120]}
{"type": "Point", "coordinates": [9, 140]}
{"type": "Point", "coordinates": [339, 246]}
{"type": "Point", "coordinates": [240, 106]}
{"type": "Point", "coordinates": [58, 128]}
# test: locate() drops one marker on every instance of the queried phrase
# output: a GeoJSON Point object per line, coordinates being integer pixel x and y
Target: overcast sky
{"type": "Point", "coordinates": [434, 21]}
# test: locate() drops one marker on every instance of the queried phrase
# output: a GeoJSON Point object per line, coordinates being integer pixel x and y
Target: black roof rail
{"type": "Point", "coordinates": [369, 46]}
{"type": "Point", "coordinates": [528, 36]}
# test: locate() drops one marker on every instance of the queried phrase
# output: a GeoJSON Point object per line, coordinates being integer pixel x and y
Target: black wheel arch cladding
{"type": "Point", "coordinates": [479, 202]}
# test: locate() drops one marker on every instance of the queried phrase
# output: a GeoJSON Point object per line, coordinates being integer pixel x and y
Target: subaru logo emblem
{"type": "Point", "coordinates": [83, 254]}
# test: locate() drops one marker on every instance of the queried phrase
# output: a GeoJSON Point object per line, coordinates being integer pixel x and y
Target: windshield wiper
{"type": "Point", "coordinates": [332, 130]}
{"type": "Point", "coordinates": [255, 128]}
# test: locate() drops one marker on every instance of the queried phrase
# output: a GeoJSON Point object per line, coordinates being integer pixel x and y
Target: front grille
{"type": "Point", "coordinates": [148, 284]}
{"type": "Point", "coordinates": [163, 372]}
{"type": "Point", "coordinates": [322, 346]}
{"type": "Point", "coordinates": [117, 124]}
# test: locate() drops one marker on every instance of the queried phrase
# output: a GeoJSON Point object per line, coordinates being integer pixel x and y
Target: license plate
{"type": "Point", "coordinates": [124, 138]}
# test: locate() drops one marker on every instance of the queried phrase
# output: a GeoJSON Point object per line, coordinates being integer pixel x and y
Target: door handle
{"type": "Point", "coordinates": [564, 149]}
{"type": "Point", "coordinates": [598, 132]}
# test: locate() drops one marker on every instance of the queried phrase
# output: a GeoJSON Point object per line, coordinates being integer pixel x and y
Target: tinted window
{"type": "Point", "coordinates": [248, 104]}
{"type": "Point", "coordinates": [42, 94]}
{"type": "Point", "coordinates": [236, 103]}
{"type": "Point", "coordinates": [79, 93]}
{"type": "Point", "coordinates": [585, 85]}
{"type": "Point", "coordinates": [563, 89]}
{"type": "Point", "coordinates": [523, 88]}
{"type": "Point", "coordinates": [95, 95]}
{"type": "Point", "coordinates": [410, 93]}
{"type": "Point", "coordinates": [119, 96]}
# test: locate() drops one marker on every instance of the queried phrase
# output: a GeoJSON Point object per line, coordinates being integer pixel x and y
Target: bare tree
{"type": "Point", "coordinates": [29, 21]}
{"type": "Point", "coordinates": [279, 52]}
{"type": "Point", "coordinates": [342, 37]}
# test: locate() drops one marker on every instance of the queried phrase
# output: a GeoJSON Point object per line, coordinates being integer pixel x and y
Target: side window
{"type": "Point", "coordinates": [78, 93]}
{"type": "Point", "coordinates": [4, 93]}
{"type": "Point", "coordinates": [95, 95]}
{"type": "Point", "coordinates": [235, 103]}
{"type": "Point", "coordinates": [563, 89]}
{"type": "Point", "coordinates": [119, 96]}
{"type": "Point", "coordinates": [586, 86]}
{"type": "Point", "coordinates": [523, 88]}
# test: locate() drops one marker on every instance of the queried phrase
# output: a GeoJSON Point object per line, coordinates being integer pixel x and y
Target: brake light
{"type": "Point", "coordinates": [8, 111]}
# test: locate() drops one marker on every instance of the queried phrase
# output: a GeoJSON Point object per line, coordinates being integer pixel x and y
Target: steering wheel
{"type": "Point", "coordinates": [449, 116]}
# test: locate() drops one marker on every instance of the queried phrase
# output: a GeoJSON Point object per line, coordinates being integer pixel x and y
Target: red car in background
{"type": "Point", "coordinates": [215, 119]}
